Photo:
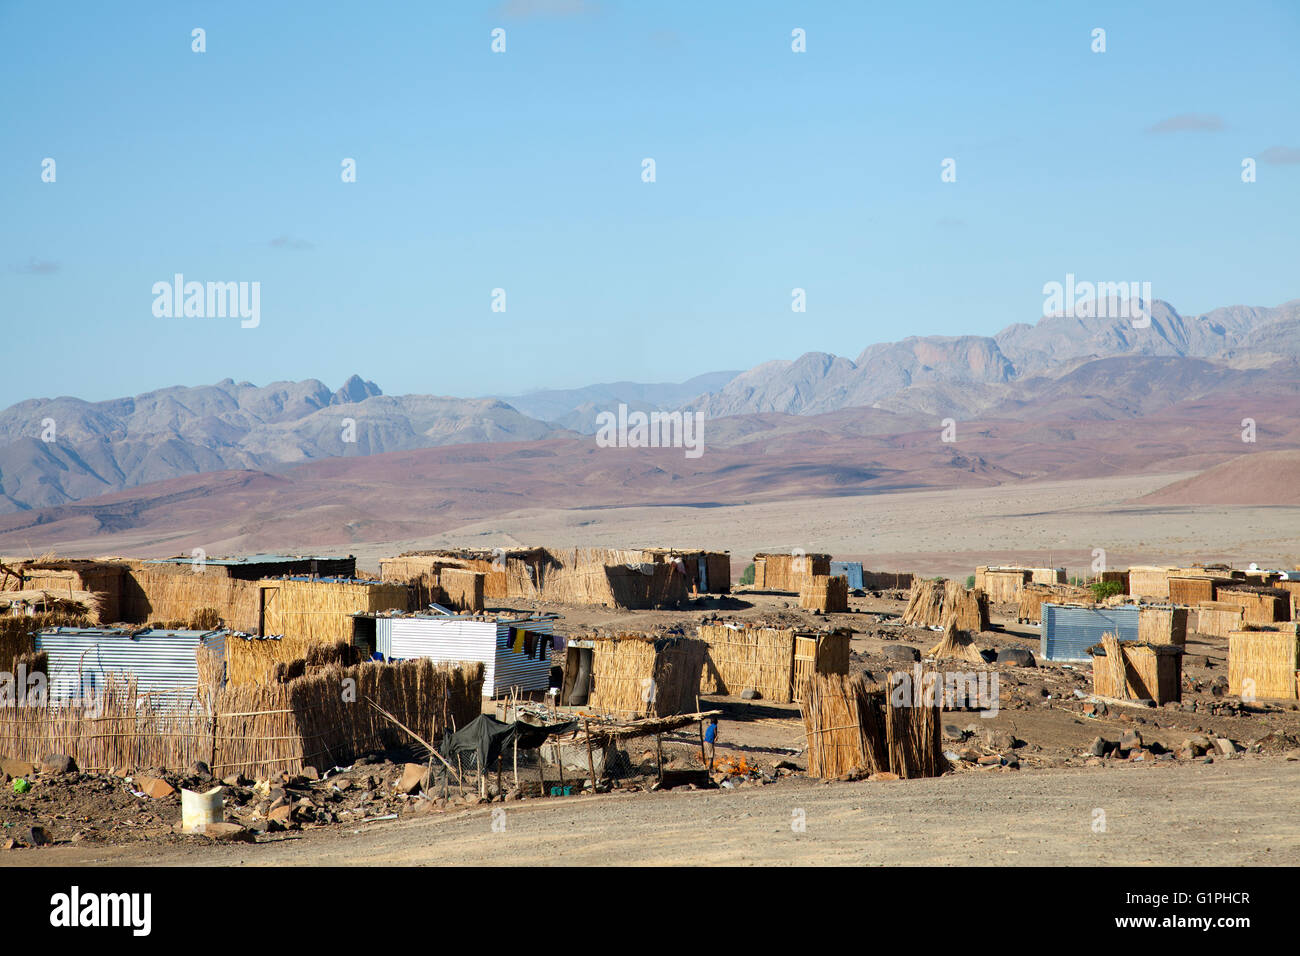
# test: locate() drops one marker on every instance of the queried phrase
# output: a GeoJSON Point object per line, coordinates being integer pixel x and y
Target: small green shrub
{"type": "Point", "coordinates": [1104, 589]}
{"type": "Point", "coordinates": [747, 576]}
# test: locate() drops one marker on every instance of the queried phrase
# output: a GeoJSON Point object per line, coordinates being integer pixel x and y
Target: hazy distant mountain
{"type": "Point", "coordinates": [969, 375]}
{"type": "Point", "coordinates": [576, 408]}
{"type": "Point", "coordinates": [1062, 368]}
{"type": "Point", "coordinates": [98, 447]}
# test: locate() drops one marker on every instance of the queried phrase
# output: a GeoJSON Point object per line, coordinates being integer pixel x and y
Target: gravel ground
{"type": "Point", "coordinates": [1230, 813]}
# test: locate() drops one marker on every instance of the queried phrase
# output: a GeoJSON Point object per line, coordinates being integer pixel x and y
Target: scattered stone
{"type": "Point", "coordinates": [953, 732]}
{"type": "Point", "coordinates": [310, 773]}
{"type": "Point", "coordinates": [1131, 740]}
{"type": "Point", "coordinates": [282, 814]}
{"type": "Point", "coordinates": [749, 693]}
{"type": "Point", "coordinates": [153, 787]}
{"type": "Point", "coordinates": [17, 768]}
{"type": "Point", "coordinates": [901, 652]}
{"type": "Point", "coordinates": [1017, 657]}
{"type": "Point", "coordinates": [228, 832]}
{"type": "Point", "coordinates": [32, 836]}
{"type": "Point", "coordinates": [1226, 746]}
{"type": "Point", "coordinates": [58, 763]}
{"type": "Point", "coordinates": [199, 769]}
{"type": "Point", "coordinates": [1100, 747]}
{"type": "Point", "coordinates": [235, 780]}
{"type": "Point", "coordinates": [414, 778]}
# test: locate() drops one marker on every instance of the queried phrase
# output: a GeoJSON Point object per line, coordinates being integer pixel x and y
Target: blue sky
{"type": "Point", "coordinates": [522, 171]}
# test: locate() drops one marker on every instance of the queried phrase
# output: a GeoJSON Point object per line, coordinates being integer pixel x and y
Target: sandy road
{"type": "Point", "coordinates": [1230, 813]}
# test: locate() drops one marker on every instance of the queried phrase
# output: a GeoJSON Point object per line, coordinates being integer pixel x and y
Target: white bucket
{"type": "Point", "coordinates": [200, 809]}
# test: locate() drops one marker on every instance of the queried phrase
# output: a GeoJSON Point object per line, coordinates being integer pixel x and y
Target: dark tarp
{"type": "Point", "coordinates": [484, 739]}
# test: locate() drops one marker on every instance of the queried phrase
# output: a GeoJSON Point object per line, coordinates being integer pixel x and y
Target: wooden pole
{"type": "Point", "coordinates": [591, 764]}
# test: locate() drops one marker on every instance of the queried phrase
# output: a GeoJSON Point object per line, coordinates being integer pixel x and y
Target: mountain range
{"type": "Point", "coordinates": [1060, 369]}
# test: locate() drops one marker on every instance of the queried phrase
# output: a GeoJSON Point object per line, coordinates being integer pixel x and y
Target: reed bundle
{"type": "Point", "coordinates": [88, 605]}
{"type": "Point", "coordinates": [320, 611]}
{"type": "Point", "coordinates": [956, 645]}
{"type": "Point", "coordinates": [67, 577]}
{"type": "Point", "coordinates": [1264, 664]}
{"type": "Point", "coordinates": [932, 603]}
{"type": "Point", "coordinates": [853, 726]}
{"type": "Point", "coordinates": [824, 653]}
{"type": "Point", "coordinates": [639, 676]}
{"type": "Point", "coordinates": [821, 592]}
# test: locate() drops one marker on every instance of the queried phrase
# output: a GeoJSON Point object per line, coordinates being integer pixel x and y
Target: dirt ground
{"type": "Point", "coordinates": [1033, 800]}
{"type": "Point", "coordinates": [1229, 814]}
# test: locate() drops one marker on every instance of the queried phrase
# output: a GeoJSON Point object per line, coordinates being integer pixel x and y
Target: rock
{"type": "Point", "coordinates": [1197, 745]}
{"type": "Point", "coordinates": [883, 775]}
{"type": "Point", "coordinates": [1131, 740]}
{"type": "Point", "coordinates": [199, 769]}
{"type": "Point", "coordinates": [228, 832]}
{"type": "Point", "coordinates": [32, 836]}
{"type": "Point", "coordinates": [235, 780]}
{"type": "Point", "coordinates": [310, 773]}
{"type": "Point", "coordinates": [953, 732]}
{"type": "Point", "coordinates": [1099, 747]}
{"type": "Point", "coordinates": [17, 768]}
{"type": "Point", "coordinates": [281, 814]}
{"type": "Point", "coordinates": [342, 783]}
{"type": "Point", "coordinates": [1002, 740]}
{"type": "Point", "coordinates": [1225, 746]}
{"type": "Point", "coordinates": [901, 652]}
{"type": "Point", "coordinates": [153, 787]}
{"type": "Point", "coordinates": [990, 760]}
{"type": "Point", "coordinates": [58, 763]}
{"type": "Point", "coordinates": [1017, 657]}
{"type": "Point", "coordinates": [749, 693]}
{"type": "Point", "coordinates": [414, 778]}
{"type": "Point", "coordinates": [1219, 687]}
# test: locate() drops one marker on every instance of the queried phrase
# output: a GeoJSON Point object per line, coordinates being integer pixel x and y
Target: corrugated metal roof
{"type": "Point", "coordinates": [160, 660]}
{"type": "Point", "coordinates": [452, 640]}
{"type": "Point", "coordinates": [1068, 632]}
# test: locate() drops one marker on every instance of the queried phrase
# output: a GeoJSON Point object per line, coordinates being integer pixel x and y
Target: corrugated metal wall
{"type": "Point", "coordinates": [852, 570]}
{"type": "Point", "coordinates": [1068, 632]}
{"type": "Point", "coordinates": [451, 640]}
{"type": "Point", "coordinates": [159, 660]}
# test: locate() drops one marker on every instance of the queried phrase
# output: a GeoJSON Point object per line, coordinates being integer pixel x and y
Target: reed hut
{"type": "Point", "coordinates": [319, 611]}
{"type": "Point", "coordinates": [18, 633]}
{"type": "Point", "coordinates": [786, 572]}
{"type": "Point", "coordinates": [1046, 575]}
{"type": "Point", "coordinates": [1259, 605]}
{"type": "Point", "coordinates": [1218, 618]}
{"type": "Point", "coordinates": [1002, 584]}
{"type": "Point", "coordinates": [824, 593]}
{"type": "Point", "coordinates": [1029, 609]}
{"type": "Point", "coordinates": [887, 580]}
{"type": "Point", "coordinates": [852, 726]}
{"type": "Point", "coordinates": [932, 603]}
{"type": "Point", "coordinates": [73, 579]}
{"type": "Point", "coordinates": [1162, 625]}
{"type": "Point", "coordinates": [1264, 664]}
{"type": "Point", "coordinates": [1193, 588]}
{"type": "Point", "coordinates": [508, 573]}
{"type": "Point", "coordinates": [635, 676]}
{"type": "Point", "coordinates": [1117, 577]}
{"type": "Point", "coordinates": [462, 588]}
{"type": "Point", "coordinates": [1149, 581]}
{"type": "Point", "coordinates": [1132, 670]}
{"type": "Point", "coordinates": [774, 661]}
